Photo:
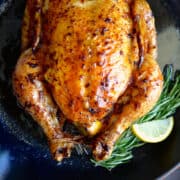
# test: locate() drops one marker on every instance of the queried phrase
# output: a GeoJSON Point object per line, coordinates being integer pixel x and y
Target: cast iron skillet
{"type": "Point", "coordinates": [24, 140]}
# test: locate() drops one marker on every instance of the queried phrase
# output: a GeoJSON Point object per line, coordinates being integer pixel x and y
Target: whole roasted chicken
{"type": "Point", "coordinates": [88, 62]}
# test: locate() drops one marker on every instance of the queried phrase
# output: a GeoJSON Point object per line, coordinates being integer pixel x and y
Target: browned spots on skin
{"type": "Point", "coordinates": [126, 15]}
{"type": "Point", "coordinates": [58, 114]}
{"type": "Point", "coordinates": [41, 95]}
{"type": "Point", "coordinates": [82, 57]}
{"type": "Point", "coordinates": [106, 43]}
{"type": "Point", "coordinates": [87, 85]}
{"type": "Point", "coordinates": [118, 108]}
{"type": "Point", "coordinates": [92, 110]}
{"type": "Point", "coordinates": [108, 20]}
{"type": "Point", "coordinates": [100, 16]}
{"type": "Point", "coordinates": [21, 86]}
{"type": "Point", "coordinates": [103, 30]}
{"type": "Point", "coordinates": [121, 52]}
{"type": "Point", "coordinates": [81, 77]}
{"type": "Point", "coordinates": [31, 77]}
{"type": "Point", "coordinates": [67, 59]}
{"type": "Point", "coordinates": [27, 105]}
{"type": "Point", "coordinates": [100, 53]}
{"type": "Point", "coordinates": [89, 69]}
{"type": "Point", "coordinates": [94, 34]}
{"type": "Point", "coordinates": [70, 103]}
{"type": "Point", "coordinates": [145, 80]}
{"type": "Point", "coordinates": [137, 105]}
{"type": "Point", "coordinates": [130, 35]}
{"type": "Point", "coordinates": [104, 84]}
{"type": "Point", "coordinates": [32, 65]}
{"type": "Point", "coordinates": [101, 63]}
{"type": "Point", "coordinates": [136, 63]}
{"type": "Point", "coordinates": [79, 41]}
{"type": "Point", "coordinates": [157, 83]}
{"type": "Point", "coordinates": [83, 66]}
{"type": "Point", "coordinates": [105, 147]}
{"type": "Point", "coordinates": [69, 34]}
{"type": "Point", "coordinates": [149, 48]}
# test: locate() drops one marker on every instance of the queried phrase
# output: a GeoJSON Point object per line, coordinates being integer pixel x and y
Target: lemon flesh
{"type": "Point", "coordinates": [154, 131]}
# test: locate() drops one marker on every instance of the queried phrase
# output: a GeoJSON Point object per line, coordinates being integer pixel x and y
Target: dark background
{"type": "Point", "coordinates": [23, 150]}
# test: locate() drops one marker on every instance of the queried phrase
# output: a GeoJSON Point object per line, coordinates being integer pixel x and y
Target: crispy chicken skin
{"type": "Point", "coordinates": [90, 62]}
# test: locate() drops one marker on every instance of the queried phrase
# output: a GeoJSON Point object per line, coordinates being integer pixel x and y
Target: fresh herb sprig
{"type": "Point", "coordinates": [166, 106]}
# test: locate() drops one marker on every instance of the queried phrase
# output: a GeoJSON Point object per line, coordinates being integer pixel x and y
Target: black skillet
{"type": "Point", "coordinates": [23, 149]}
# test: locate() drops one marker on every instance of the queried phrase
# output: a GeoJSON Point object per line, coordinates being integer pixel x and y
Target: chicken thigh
{"type": "Point", "coordinates": [89, 62]}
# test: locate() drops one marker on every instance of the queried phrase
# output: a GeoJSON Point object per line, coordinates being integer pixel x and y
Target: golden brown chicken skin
{"type": "Point", "coordinates": [93, 63]}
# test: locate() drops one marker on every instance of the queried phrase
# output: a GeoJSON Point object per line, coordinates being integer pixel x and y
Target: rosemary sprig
{"type": "Point", "coordinates": [165, 107]}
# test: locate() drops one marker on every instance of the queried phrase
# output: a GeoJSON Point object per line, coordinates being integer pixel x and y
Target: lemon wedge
{"type": "Point", "coordinates": [154, 131]}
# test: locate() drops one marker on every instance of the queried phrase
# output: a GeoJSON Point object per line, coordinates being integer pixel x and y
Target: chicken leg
{"type": "Point", "coordinates": [146, 85]}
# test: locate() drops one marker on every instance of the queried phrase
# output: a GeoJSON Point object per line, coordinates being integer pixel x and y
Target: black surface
{"type": "Point", "coordinates": [23, 149]}
{"type": "Point", "coordinates": [172, 174]}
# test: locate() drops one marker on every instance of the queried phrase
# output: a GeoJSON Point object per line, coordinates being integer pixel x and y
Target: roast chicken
{"type": "Point", "coordinates": [88, 62]}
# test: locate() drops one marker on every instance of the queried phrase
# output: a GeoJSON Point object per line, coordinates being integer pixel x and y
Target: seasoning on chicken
{"type": "Point", "coordinates": [92, 63]}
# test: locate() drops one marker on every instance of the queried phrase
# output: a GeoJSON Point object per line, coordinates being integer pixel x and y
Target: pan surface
{"type": "Point", "coordinates": [22, 141]}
